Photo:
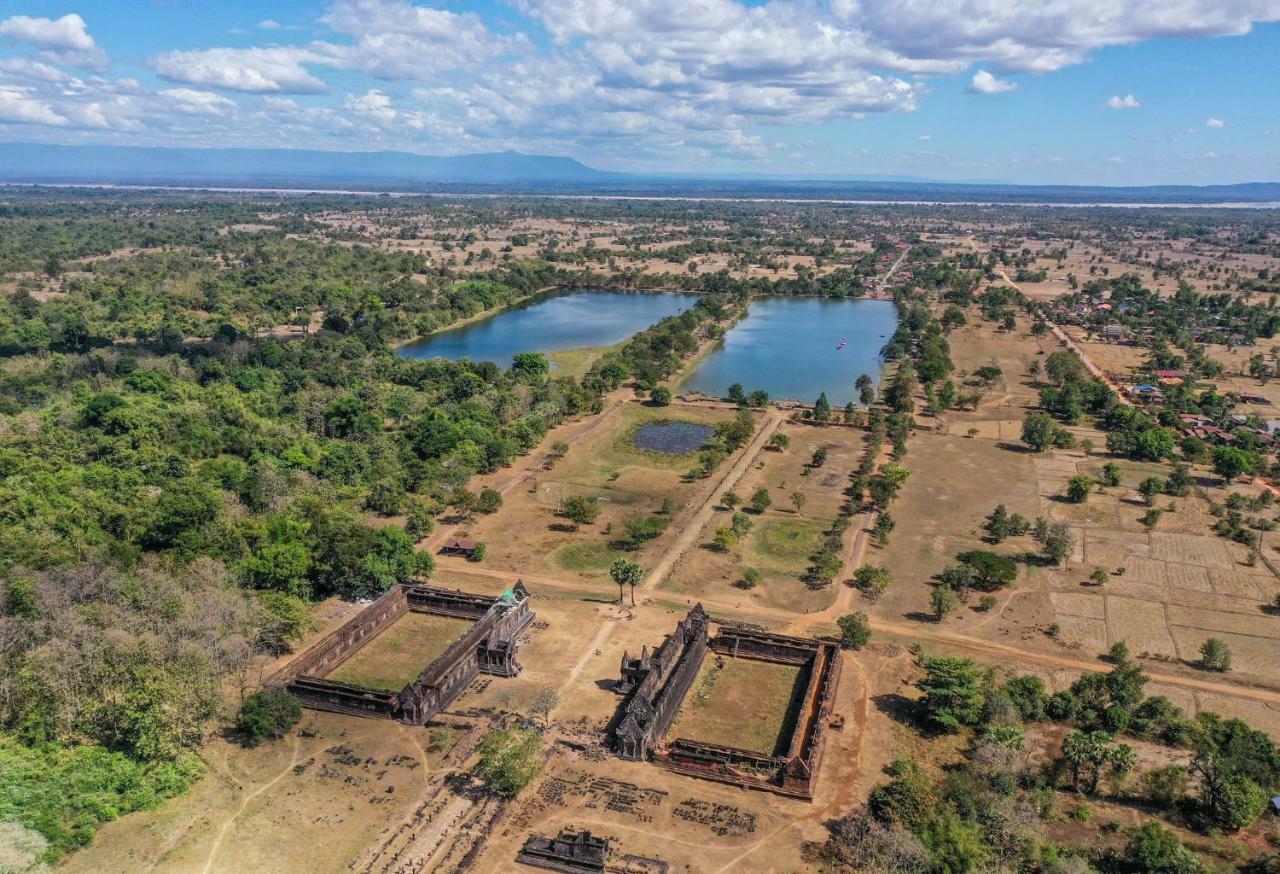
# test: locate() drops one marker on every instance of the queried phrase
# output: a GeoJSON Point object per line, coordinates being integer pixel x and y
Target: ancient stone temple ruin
{"type": "Point", "coordinates": [569, 851]}
{"type": "Point", "coordinates": [655, 684]}
{"type": "Point", "coordinates": [488, 646]}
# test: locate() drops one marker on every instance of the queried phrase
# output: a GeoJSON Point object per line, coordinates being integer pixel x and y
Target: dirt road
{"type": "Point", "coordinates": [693, 527]}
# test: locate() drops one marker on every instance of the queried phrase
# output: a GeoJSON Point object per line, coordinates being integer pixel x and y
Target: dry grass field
{"type": "Point", "coordinates": [742, 703]}
{"type": "Point", "coordinates": [307, 803]}
{"type": "Point", "coordinates": [528, 537]}
{"type": "Point", "coordinates": [781, 539]}
{"type": "Point", "coordinates": [394, 658]}
{"type": "Point", "coordinates": [1168, 588]}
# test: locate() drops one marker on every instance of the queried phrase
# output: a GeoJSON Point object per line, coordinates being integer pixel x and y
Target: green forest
{"type": "Point", "coordinates": [179, 478]}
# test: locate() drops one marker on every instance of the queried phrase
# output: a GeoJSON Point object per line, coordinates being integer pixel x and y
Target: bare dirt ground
{"type": "Point", "coordinates": [301, 804]}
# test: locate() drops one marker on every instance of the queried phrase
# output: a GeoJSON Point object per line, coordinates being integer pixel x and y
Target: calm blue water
{"type": "Point", "coordinates": [787, 346]}
{"type": "Point", "coordinates": [549, 323]}
{"type": "Point", "coordinates": [674, 437]}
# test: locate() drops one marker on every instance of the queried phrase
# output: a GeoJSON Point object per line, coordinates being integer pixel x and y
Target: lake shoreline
{"type": "Point", "coordinates": [555, 319]}
{"type": "Point", "coordinates": [781, 347]}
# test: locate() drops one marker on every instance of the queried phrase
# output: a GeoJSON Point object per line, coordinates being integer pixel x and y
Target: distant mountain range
{"type": "Point", "coordinates": [516, 172]}
{"type": "Point", "coordinates": [143, 164]}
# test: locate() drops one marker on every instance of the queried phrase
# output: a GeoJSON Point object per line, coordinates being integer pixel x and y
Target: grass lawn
{"type": "Point", "coordinates": [394, 658]}
{"type": "Point", "coordinates": [787, 541]}
{"type": "Point", "coordinates": [576, 362]}
{"type": "Point", "coordinates": [742, 703]}
{"type": "Point", "coordinates": [586, 556]}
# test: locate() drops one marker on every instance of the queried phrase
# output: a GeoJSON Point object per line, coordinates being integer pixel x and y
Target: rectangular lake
{"type": "Point", "coordinates": [788, 346]}
{"type": "Point", "coordinates": [550, 323]}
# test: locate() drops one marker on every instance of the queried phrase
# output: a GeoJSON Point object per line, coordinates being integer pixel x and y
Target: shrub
{"type": "Point", "coordinates": [855, 630]}
{"type": "Point", "coordinates": [509, 760]}
{"type": "Point", "coordinates": [267, 714]}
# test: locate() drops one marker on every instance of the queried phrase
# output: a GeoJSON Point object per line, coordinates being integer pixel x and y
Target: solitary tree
{"type": "Point", "coordinates": [1214, 655]}
{"type": "Point", "coordinates": [1055, 541]}
{"type": "Point", "coordinates": [855, 630]}
{"type": "Point", "coordinates": [1111, 474]}
{"type": "Point", "coordinates": [822, 408]}
{"type": "Point", "coordinates": [580, 509]}
{"type": "Point", "coordinates": [798, 499]}
{"type": "Point", "coordinates": [1150, 489]}
{"type": "Point", "coordinates": [943, 600]}
{"type": "Point", "coordinates": [543, 703]}
{"type": "Point", "coordinates": [866, 390]}
{"type": "Point", "coordinates": [761, 500]}
{"type": "Point", "coordinates": [872, 581]}
{"type": "Point", "coordinates": [1078, 488]}
{"type": "Point", "coordinates": [1039, 431]}
{"type": "Point", "coordinates": [489, 501]}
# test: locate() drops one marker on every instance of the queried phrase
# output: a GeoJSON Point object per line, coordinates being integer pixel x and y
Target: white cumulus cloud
{"type": "Point", "coordinates": [1215, 122]}
{"type": "Point", "coordinates": [271, 70]}
{"type": "Point", "coordinates": [986, 83]}
{"type": "Point", "coordinates": [64, 40]}
{"type": "Point", "coordinates": [1126, 102]}
{"type": "Point", "coordinates": [20, 106]}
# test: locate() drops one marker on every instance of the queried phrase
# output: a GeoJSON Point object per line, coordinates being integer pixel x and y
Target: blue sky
{"type": "Point", "coordinates": [1076, 91]}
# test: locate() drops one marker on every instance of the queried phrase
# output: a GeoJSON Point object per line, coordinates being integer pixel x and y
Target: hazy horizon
{"type": "Point", "coordinates": [1081, 93]}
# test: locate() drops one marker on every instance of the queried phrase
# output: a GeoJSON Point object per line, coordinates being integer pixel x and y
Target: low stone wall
{"type": "Point", "coordinates": [325, 655]}
{"type": "Point", "coordinates": [731, 765]}
{"type": "Point", "coordinates": [791, 774]}
{"type": "Point", "coordinates": [764, 646]}
{"type": "Point", "coordinates": [489, 646]}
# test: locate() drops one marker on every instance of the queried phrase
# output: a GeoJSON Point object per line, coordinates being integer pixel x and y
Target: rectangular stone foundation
{"type": "Point", "coordinates": [655, 685]}
{"type": "Point", "coordinates": [488, 646]}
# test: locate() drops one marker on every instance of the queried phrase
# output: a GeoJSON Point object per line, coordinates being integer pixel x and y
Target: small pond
{"type": "Point", "coordinates": [673, 438]}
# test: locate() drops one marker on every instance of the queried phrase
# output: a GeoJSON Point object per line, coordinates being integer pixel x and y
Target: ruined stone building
{"type": "Point", "coordinates": [655, 684]}
{"type": "Point", "coordinates": [487, 647]}
{"type": "Point", "coordinates": [569, 851]}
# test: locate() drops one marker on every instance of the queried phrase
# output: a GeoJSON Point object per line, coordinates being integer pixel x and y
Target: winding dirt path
{"type": "Point", "coordinates": [244, 804]}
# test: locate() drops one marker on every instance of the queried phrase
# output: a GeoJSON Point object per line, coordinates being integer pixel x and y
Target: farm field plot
{"type": "Point", "coordinates": [394, 658]}
{"type": "Point", "coordinates": [527, 536]}
{"type": "Point", "coordinates": [741, 703]}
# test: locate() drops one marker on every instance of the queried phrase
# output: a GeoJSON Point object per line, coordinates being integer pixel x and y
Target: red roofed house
{"type": "Point", "coordinates": [458, 546]}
